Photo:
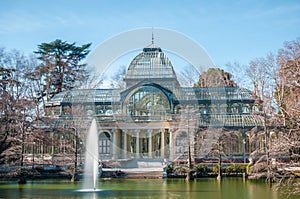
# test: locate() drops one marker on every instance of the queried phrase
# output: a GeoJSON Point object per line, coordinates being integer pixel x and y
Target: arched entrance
{"type": "Point", "coordinates": [147, 102]}
{"type": "Point", "coordinates": [104, 144]}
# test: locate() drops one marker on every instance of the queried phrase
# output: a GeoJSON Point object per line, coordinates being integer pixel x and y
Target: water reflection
{"type": "Point", "coordinates": [219, 182]}
{"type": "Point", "coordinates": [257, 188]}
{"type": "Point", "coordinates": [228, 188]}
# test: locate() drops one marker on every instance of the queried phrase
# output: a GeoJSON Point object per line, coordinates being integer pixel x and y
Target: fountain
{"type": "Point", "coordinates": [91, 168]}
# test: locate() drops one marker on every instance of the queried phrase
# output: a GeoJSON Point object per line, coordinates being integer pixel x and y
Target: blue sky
{"type": "Point", "coordinates": [228, 30]}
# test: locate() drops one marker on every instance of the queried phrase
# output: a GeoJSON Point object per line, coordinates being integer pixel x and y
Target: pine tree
{"type": "Point", "coordinates": [61, 68]}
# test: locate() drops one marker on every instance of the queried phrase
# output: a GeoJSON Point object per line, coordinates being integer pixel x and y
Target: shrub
{"type": "Point", "coordinates": [235, 168]}
{"type": "Point", "coordinates": [215, 169]}
{"type": "Point", "coordinates": [170, 168]}
{"type": "Point", "coordinates": [201, 169]}
{"type": "Point", "coordinates": [259, 168]}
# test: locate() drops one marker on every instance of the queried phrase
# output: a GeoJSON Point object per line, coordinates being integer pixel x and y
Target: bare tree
{"type": "Point", "coordinates": [117, 78]}
{"type": "Point", "coordinates": [282, 138]}
{"type": "Point", "coordinates": [16, 105]}
{"type": "Point", "coordinates": [237, 71]}
{"type": "Point", "coordinates": [289, 73]}
{"type": "Point", "coordinates": [215, 77]}
{"type": "Point", "coordinates": [188, 76]}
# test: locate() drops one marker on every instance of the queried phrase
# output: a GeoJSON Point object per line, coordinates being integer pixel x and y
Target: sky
{"type": "Point", "coordinates": [230, 31]}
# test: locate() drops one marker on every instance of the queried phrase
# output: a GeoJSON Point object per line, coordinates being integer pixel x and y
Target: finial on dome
{"type": "Point", "coordinates": [152, 47]}
{"type": "Point", "coordinates": [152, 41]}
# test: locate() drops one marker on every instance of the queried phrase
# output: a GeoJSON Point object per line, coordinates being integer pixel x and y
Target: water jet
{"type": "Point", "coordinates": [91, 164]}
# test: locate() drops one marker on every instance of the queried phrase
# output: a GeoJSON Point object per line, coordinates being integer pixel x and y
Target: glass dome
{"type": "Point", "coordinates": [152, 63]}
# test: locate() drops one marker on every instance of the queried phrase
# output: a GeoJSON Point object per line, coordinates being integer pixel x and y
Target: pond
{"type": "Point", "coordinates": [207, 188]}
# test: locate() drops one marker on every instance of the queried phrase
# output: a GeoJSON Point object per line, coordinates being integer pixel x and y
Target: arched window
{"type": "Point", "coordinates": [213, 108]}
{"type": "Point", "coordinates": [255, 108]}
{"type": "Point", "coordinates": [246, 108]}
{"type": "Point", "coordinates": [223, 108]}
{"type": "Point", "coordinates": [148, 101]}
{"type": "Point", "coordinates": [104, 143]}
{"type": "Point", "coordinates": [235, 108]}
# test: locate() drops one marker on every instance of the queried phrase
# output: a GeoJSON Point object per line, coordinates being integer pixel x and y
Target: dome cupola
{"type": "Point", "coordinates": [151, 63]}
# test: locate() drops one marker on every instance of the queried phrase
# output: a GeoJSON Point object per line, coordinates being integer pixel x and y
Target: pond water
{"type": "Point", "coordinates": [207, 188]}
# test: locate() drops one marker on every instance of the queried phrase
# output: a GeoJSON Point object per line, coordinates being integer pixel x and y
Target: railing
{"type": "Point", "coordinates": [142, 118]}
{"type": "Point", "coordinates": [230, 120]}
{"type": "Point", "coordinates": [204, 120]}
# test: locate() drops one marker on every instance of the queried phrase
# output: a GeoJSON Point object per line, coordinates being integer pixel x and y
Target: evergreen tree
{"type": "Point", "coordinates": [61, 68]}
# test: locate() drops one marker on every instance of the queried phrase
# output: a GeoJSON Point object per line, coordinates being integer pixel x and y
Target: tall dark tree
{"type": "Point", "coordinates": [61, 67]}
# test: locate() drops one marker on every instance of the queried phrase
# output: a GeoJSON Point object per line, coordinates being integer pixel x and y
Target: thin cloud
{"type": "Point", "coordinates": [278, 11]}
{"type": "Point", "coordinates": [20, 22]}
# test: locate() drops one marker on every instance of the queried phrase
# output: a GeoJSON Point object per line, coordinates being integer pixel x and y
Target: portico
{"type": "Point", "coordinates": [137, 143]}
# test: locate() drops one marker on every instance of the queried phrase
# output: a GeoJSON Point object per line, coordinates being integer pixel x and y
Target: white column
{"type": "Point", "coordinates": [163, 143]}
{"type": "Point", "coordinates": [137, 143]}
{"type": "Point", "coordinates": [172, 148]}
{"type": "Point", "coordinates": [150, 144]}
{"type": "Point", "coordinates": [130, 135]}
{"type": "Point", "coordinates": [114, 142]}
{"type": "Point", "coordinates": [125, 143]}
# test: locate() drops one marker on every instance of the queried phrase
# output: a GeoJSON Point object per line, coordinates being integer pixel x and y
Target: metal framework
{"type": "Point", "coordinates": [153, 109]}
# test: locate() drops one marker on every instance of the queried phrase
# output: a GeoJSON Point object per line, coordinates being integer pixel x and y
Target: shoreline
{"type": "Point", "coordinates": [130, 173]}
{"type": "Point", "coordinates": [120, 174]}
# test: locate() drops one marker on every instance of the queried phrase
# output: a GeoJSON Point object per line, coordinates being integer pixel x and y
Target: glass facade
{"type": "Point", "coordinates": [153, 116]}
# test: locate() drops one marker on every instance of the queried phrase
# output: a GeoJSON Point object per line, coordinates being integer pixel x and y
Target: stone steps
{"type": "Point", "coordinates": [142, 163]}
{"type": "Point", "coordinates": [143, 174]}
{"type": "Point", "coordinates": [132, 173]}
{"type": "Point", "coordinates": [136, 168]}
